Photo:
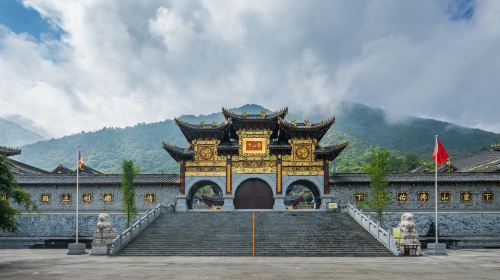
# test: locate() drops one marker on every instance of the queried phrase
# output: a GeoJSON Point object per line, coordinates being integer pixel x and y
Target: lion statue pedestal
{"type": "Point", "coordinates": [409, 243]}
{"type": "Point", "coordinates": [103, 237]}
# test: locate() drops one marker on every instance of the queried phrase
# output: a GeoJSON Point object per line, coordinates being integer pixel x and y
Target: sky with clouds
{"type": "Point", "coordinates": [81, 65]}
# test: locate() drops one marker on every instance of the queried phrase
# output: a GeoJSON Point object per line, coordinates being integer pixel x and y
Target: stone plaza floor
{"type": "Point", "coordinates": [55, 264]}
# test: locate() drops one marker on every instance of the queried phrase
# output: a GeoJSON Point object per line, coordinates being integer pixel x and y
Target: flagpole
{"type": "Point", "coordinates": [77, 194]}
{"type": "Point", "coordinates": [436, 190]}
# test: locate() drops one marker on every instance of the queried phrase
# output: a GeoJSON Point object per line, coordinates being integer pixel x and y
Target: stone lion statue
{"type": "Point", "coordinates": [409, 235]}
{"type": "Point", "coordinates": [104, 235]}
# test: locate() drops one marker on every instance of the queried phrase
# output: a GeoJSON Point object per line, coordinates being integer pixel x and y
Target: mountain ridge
{"type": "Point", "coordinates": [363, 126]}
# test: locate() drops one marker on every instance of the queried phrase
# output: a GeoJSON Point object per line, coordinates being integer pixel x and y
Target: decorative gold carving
{"type": "Point", "coordinates": [263, 166]}
{"type": "Point", "coordinates": [108, 198]}
{"type": "Point", "coordinates": [423, 197]}
{"type": "Point", "coordinates": [45, 198]}
{"type": "Point", "coordinates": [66, 198]}
{"type": "Point", "coordinates": [402, 197]}
{"type": "Point", "coordinates": [87, 198]}
{"type": "Point", "coordinates": [302, 149]}
{"type": "Point", "coordinates": [206, 171]}
{"type": "Point", "coordinates": [302, 152]}
{"type": "Point", "coordinates": [149, 198]}
{"type": "Point", "coordinates": [488, 197]}
{"type": "Point", "coordinates": [303, 170]}
{"type": "Point", "coordinates": [205, 150]}
{"type": "Point", "coordinates": [445, 197]}
{"type": "Point", "coordinates": [359, 197]}
{"type": "Point", "coordinates": [465, 197]}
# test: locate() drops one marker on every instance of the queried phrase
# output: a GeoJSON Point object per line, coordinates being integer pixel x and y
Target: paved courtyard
{"type": "Point", "coordinates": [55, 264]}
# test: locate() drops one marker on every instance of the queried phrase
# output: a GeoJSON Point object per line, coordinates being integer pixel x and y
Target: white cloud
{"type": "Point", "coordinates": [123, 62]}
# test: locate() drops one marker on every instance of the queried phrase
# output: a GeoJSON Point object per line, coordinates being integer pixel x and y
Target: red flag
{"type": "Point", "coordinates": [80, 160]}
{"type": "Point", "coordinates": [440, 155]}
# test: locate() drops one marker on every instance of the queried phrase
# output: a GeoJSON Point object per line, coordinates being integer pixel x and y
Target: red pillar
{"type": "Point", "coordinates": [326, 177]}
{"type": "Point", "coordinates": [229, 175]}
{"type": "Point", "coordinates": [182, 179]}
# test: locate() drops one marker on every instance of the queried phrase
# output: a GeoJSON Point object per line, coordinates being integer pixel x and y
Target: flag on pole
{"type": "Point", "coordinates": [80, 160]}
{"type": "Point", "coordinates": [440, 155]}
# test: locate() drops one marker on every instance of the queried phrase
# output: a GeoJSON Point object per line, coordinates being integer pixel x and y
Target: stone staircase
{"type": "Point", "coordinates": [276, 234]}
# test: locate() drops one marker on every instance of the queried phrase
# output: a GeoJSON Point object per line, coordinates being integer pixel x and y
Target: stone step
{"type": "Point", "coordinates": [276, 234]}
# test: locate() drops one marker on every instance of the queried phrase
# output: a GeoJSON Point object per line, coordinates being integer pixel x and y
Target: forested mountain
{"type": "Point", "coordinates": [13, 134]}
{"type": "Point", "coordinates": [363, 126]}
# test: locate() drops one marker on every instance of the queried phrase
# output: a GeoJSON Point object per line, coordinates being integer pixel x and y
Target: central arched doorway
{"type": "Point", "coordinates": [253, 194]}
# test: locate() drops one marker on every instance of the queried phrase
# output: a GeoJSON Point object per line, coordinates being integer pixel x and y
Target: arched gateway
{"type": "Point", "coordinates": [253, 194]}
{"type": "Point", "coordinates": [247, 146]}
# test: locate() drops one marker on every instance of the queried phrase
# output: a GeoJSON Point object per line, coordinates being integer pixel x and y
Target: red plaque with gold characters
{"type": "Point", "coordinates": [465, 197]}
{"type": "Point", "coordinates": [254, 145]}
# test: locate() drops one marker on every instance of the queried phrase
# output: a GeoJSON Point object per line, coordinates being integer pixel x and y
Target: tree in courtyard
{"type": "Point", "coordinates": [128, 190]}
{"type": "Point", "coordinates": [9, 189]}
{"type": "Point", "coordinates": [379, 185]}
{"type": "Point", "coordinates": [410, 162]}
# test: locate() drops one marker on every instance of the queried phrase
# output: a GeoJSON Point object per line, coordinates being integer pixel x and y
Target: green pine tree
{"type": "Point", "coordinates": [379, 185]}
{"type": "Point", "coordinates": [9, 189]}
{"type": "Point", "coordinates": [128, 190]}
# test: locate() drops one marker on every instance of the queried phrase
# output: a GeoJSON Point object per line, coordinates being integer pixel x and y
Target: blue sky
{"type": "Point", "coordinates": [117, 63]}
{"type": "Point", "coordinates": [21, 19]}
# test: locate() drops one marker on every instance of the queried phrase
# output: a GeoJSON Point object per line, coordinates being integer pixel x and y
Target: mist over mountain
{"type": "Point", "coordinates": [364, 127]}
{"type": "Point", "coordinates": [14, 134]}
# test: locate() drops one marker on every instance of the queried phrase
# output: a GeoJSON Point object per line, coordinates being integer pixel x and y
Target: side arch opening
{"type": "Point", "coordinates": [205, 195]}
{"type": "Point", "coordinates": [302, 194]}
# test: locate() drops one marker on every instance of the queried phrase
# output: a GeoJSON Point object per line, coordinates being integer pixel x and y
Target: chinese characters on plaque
{"type": "Point", "coordinates": [149, 198]}
{"type": "Point", "coordinates": [423, 197]}
{"type": "Point", "coordinates": [4, 197]}
{"type": "Point", "coordinates": [87, 198]}
{"type": "Point", "coordinates": [65, 198]}
{"type": "Point", "coordinates": [359, 196]}
{"type": "Point", "coordinates": [488, 196]}
{"type": "Point", "coordinates": [45, 198]}
{"type": "Point", "coordinates": [107, 198]}
{"type": "Point", "coordinates": [402, 197]}
{"type": "Point", "coordinates": [465, 197]}
{"type": "Point", "coordinates": [445, 197]}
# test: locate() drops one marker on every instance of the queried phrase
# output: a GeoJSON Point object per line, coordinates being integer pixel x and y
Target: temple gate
{"type": "Point", "coordinates": [253, 161]}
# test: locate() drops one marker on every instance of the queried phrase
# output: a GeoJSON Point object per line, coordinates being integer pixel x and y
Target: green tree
{"type": "Point", "coordinates": [128, 190]}
{"type": "Point", "coordinates": [379, 185]}
{"type": "Point", "coordinates": [9, 189]}
{"type": "Point", "coordinates": [410, 162]}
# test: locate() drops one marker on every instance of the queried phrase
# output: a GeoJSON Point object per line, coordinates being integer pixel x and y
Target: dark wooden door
{"type": "Point", "coordinates": [253, 194]}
